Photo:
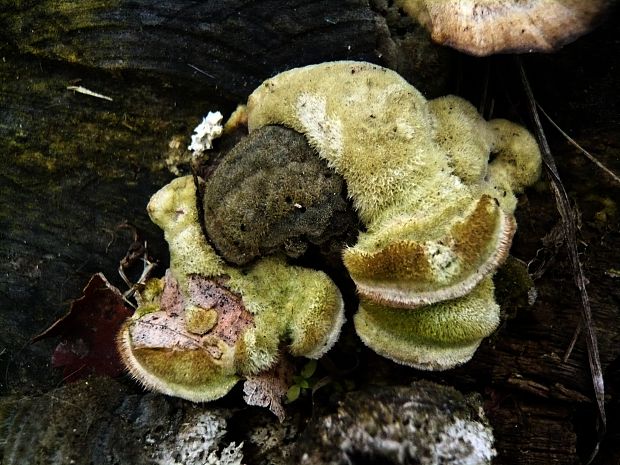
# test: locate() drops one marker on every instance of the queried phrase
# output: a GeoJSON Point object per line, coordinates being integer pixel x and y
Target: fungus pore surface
{"type": "Point", "coordinates": [484, 27]}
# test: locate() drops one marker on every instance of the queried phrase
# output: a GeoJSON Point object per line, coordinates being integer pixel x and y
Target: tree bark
{"type": "Point", "coordinates": [75, 166]}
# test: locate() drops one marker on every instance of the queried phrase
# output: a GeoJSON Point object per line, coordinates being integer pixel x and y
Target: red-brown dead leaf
{"type": "Point", "coordinates": [88, 332]}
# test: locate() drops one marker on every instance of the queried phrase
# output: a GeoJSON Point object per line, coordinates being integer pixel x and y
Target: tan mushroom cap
{"type": "Point", "coordinates": [485, 27]}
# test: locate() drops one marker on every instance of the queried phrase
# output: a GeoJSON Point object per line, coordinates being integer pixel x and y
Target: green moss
{"type": "Point", "coordinates": [606, 209]}
{"type": "Point", "coordinates": [145, 309]}
{"type": "Point", "coordinates": [37, 161]}
{"type": "Point", "coordinates": [514, 287]}
{"type": "Point", "coordinates": [151, 291]}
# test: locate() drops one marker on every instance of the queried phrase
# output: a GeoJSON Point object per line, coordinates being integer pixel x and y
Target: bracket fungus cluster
{"type": "Point", "coordinates": [438, 210]}
{"type": "Point", "coordinates": [205, 325]}
{"type": "Point", "coordinates": [433, 185]}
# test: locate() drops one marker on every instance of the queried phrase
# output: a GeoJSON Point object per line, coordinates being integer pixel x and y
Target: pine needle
{"type": "Point", "coordinates": [579, 147]}
{"type": "Point", "coordinates": [570, 232]}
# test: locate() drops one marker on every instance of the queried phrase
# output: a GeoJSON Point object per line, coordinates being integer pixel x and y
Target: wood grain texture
{"type": "Point", "coordinates": [237, 44]}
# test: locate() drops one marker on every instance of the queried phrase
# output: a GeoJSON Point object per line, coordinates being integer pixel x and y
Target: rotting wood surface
{"type": "Point", "coordinates": [75, 166]}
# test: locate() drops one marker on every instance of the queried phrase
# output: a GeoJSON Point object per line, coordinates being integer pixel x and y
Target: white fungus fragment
{"type": "Point", "coordinates": [209, 129]}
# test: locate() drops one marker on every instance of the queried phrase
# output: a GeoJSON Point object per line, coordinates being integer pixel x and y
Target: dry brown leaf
{"type": "Point", "coordinates": [268, 388]}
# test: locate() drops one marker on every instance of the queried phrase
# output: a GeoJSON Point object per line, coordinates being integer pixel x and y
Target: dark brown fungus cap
{"type": "Point", "coordinates": [272, 193]}
{"type": "Point", "coordinates": [485, 27]}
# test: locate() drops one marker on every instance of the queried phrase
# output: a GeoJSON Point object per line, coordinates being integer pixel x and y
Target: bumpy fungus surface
{"type": "Point", "coordinates": [205, 325]}
{"type": "Point", "coordinates": [272, 193]}
{"type": "Point", "coordinates": [438, 211]}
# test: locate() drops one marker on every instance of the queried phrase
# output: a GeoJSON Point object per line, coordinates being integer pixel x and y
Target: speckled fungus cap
{"type": "Point", "coordinates": [206, 325]}
{"type": "Point", "coordinates": [485, 27]}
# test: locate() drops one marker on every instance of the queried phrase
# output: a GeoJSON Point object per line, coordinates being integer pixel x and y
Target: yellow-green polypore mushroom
{"type": "Point", "coordinates": [437, 207]}
{"type": "Point", "coordinates": [439, 217]}
{"type": "Point", "coordinates": [433, 337]}
{"type": "Point", "coordinates": [205, 325]}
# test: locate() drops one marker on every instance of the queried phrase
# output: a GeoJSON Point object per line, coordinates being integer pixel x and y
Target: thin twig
{"type": "Point", "coordinates": [563, 206]}
{"type": "Point", "coordinates": [571, 346]}
{"type": "Point", "coordinates": [579, 147]}
{"type": "Point", "coordinates": [201, 71]}
{"type": "Point", "coordinates": [146, 274]}
{"type": "Point", "coordinates": [85, 91]}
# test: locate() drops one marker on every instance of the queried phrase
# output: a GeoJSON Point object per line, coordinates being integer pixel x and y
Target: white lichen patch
{"type": "Point", "coordinates": [198, 442]}
{"type": "Point", "coordinates": [230, 455]}
{"type": "Point", "coordinates": [425, 424]}
{"type": "Point", "coordinates": [470, 441]}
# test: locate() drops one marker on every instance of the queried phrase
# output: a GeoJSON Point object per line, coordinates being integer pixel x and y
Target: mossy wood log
{"type": "Point", "coordinates": [75, 166]}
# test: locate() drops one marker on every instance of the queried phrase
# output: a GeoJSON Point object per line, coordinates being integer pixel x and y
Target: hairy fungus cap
{"type": "Point", "coordinates": [206, 324]}
{"type": "Point", "coordinates": [439, 217]}
{"type": "Point", "coordinates": [394, 269]}
{"type": "Point", "coordinates": [436, 206]}
{"type": "Point", "coordinates": [304, 309]}
{"type": "Point", "coordinates": [163, 350]}
{"type": "Point", "coordinates": [173, 209]}
{"type": "Point", "coordinates": [485, 27]}
{"type": "Point", "coordinates": [513, 163]}
{"type": "Point", "coordinates": [364, 120]}
{"type": "Point", "coordinates": [434, 337]}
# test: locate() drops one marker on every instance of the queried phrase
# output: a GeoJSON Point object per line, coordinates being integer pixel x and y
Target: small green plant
{"type": "Point", "coordinates": [301, 382]}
